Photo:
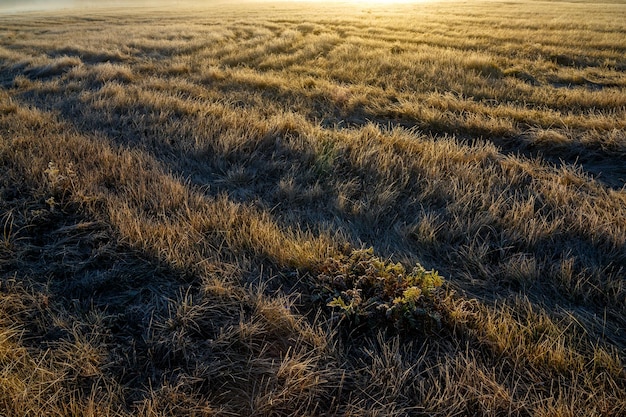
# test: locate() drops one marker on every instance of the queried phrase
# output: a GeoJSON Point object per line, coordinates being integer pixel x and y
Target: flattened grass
{"type": "Point", "coordinates": [171, 184]}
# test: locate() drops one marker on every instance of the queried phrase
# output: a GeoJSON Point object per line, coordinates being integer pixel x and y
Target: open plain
{"type": "Point", "coordinates": [188, 195]}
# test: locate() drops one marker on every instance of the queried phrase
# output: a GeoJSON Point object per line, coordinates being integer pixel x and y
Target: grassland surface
{"type": "Point", "coordinates": [181, 189]}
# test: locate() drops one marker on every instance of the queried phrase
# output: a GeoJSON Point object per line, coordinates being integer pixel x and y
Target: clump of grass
{"type": "Point", "coordinates": [53, 67]}
{"type": "Point", "coordinates": [550, 137]}
{"type": "Point", "coordinates": [208, 167]}
{"type": "Point", "coordinates": [104, 72]}
{"type": "Point", "coordinates": [484, 66]}
{"type": "Point", "coordinates": [520, 74]}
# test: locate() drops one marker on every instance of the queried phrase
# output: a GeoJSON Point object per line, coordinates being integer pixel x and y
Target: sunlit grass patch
{"type": "Point", "coordinates": [183, 196]}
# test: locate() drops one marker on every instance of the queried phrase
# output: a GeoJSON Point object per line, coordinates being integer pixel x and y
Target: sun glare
{"type": "Point", "coordinates": [387, 2]}
{"type": "Point", "coordinates": [370, 2]}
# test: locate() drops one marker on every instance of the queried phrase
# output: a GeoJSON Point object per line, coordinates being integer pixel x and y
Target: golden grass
{"type": "Point", "coordinates": [172, 181]}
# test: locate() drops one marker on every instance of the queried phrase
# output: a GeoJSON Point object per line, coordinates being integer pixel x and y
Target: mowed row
{"type": "Point", "coordinates": [174, 182]}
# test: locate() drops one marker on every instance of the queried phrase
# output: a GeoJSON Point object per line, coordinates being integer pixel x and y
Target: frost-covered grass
{"type": "Point", "coordinates": [184, 194]}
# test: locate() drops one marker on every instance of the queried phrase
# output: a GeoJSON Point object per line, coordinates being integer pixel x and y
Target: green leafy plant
{"type": "Point", "coordinates": [364, 288]}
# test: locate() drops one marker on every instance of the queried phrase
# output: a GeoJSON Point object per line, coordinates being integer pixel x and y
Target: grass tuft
{"type": "Point", "coordinates": [182, 193]}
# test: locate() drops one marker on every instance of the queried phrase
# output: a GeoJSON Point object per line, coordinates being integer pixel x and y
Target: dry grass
{"type": "Point", "coordinates": [172, 183]}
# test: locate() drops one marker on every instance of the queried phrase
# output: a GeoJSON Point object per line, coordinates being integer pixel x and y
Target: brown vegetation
{"type": "Point", "coordinates": [181, 193]}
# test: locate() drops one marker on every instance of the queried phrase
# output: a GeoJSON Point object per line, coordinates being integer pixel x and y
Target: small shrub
{"type": "Point", "coordinates": [60, 182]}
{"type": "Point", "coordinates": [365, 288]}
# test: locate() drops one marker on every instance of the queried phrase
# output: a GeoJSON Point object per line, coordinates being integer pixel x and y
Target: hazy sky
{"type": "Point", "coordinates": [35, 4]}
{"type": "Point", "coordinates": [32, 5]}
{"type": "Point", "coordinates": [26, 5]}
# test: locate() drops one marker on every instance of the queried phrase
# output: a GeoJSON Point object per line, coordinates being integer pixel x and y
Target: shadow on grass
{"type": "Point", "coordinates": [85, 267]}
{"type": "Point", "coordinates": [302, 191]}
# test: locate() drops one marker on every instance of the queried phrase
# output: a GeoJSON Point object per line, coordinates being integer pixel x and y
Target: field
{"type": "Point", "coordinates": [215, 210]}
